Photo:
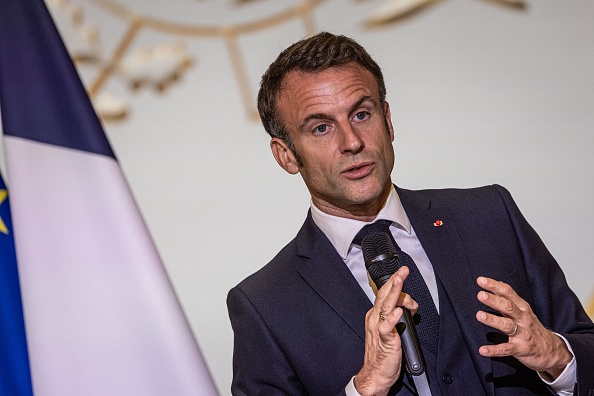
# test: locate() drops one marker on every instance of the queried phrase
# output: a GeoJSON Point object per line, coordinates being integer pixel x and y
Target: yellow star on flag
{"type": "Point", "coordinates": [3, 228]}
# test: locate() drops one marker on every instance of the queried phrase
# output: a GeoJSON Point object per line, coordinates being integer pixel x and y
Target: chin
{"type": "Point", "coordinates": [370, 193]}
{"type": "Point", "coordinates": [365, 199]}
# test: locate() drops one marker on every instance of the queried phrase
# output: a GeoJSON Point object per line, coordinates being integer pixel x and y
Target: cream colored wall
{"type": "Point", "coordinates": [479, 93]}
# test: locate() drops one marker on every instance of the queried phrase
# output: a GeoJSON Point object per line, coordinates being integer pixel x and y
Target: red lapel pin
{"type": "Point", "coordinates": [438, 223]}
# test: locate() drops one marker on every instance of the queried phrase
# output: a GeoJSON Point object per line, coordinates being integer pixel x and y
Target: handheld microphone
{"type": "Point", "coordinates": [381, 261]}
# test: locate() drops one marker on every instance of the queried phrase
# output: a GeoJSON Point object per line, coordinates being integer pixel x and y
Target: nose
{"type": "Point", "coordinates": [350, 140]}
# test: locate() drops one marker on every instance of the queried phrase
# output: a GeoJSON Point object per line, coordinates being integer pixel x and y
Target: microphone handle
{"type": "Point", "coordinates": [415, 362]}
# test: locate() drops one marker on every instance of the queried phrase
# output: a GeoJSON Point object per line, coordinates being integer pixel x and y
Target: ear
{"type": "Point", "coordinates": [284, 156]}
{"type": "Point", "coordinates": [389, 120]}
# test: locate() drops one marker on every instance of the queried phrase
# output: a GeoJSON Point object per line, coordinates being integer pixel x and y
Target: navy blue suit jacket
{"type": "Point", "coordinates": [299, 322]}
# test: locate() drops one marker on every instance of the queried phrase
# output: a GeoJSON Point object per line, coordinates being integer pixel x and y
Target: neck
{"type": "Point", "coordinates": [363, 212]}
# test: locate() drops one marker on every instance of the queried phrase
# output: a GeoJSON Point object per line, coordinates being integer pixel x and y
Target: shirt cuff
{"type": "Point", "coordinates": [350, 389]}
{"type": "Point", "coordinates": [565, 382]}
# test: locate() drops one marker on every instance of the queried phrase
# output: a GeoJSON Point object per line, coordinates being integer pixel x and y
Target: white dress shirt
{"type": "Point", "coordinates": [341, 232]}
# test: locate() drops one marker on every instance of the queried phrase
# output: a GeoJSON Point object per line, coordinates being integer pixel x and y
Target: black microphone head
{"type": "Point", "coordinates": [381, 258]}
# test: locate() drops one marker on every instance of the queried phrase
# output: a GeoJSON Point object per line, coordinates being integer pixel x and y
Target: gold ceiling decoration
{"type": "Point", "coordinates": [164, 64]}
{"type": "Point", "coordinates": [391, 11]}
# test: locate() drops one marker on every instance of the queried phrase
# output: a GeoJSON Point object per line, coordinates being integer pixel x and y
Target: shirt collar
{"type": "Point", "coordinates": [341, 231]}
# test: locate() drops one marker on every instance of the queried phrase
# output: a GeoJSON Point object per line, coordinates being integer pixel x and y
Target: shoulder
{"type": "Point", "coordinates": [275, 271]}
{"type": "Point", "coordinates": [488, 192]}
{"type": "Point", "coordinates": [282, 271]}
{"type": "Point", "coordinates": [477, 199]}
{"type": "Point", "coordinates": [488, 208]}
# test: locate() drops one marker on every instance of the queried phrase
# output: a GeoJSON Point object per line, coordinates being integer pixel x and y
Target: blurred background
{"type": "Point", "coordinates": [481, 92]}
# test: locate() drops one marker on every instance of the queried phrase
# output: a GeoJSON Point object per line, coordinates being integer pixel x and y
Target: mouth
{"type": "Point", "coordinates": [359, 170]}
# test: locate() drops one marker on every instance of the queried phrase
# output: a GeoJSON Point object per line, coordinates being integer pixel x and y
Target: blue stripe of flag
{"type": "Point", "coordinates": [42, 90]}
{"type": "Point", "coordinates": [15, 378]}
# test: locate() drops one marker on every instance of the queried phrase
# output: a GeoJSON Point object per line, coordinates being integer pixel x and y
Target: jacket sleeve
{"type": "Point", "coordinates": [259, 365]}
{"type": "Point", "coordinates": [556, 306]}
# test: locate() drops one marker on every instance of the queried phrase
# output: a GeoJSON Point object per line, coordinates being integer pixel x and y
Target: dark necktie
{"type": "Point", "coordinates": [426, 318]}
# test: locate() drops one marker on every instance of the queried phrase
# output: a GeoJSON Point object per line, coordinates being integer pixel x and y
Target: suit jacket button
{"type": "Point", "coordinates": [448, 379]}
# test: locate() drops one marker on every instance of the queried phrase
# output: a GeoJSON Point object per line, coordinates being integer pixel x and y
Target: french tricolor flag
{"type": "Point", "coordinates": [100, 314]}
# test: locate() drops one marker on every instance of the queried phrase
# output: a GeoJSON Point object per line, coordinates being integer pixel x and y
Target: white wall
{"type": "Point", "coordinates": [479, 93]}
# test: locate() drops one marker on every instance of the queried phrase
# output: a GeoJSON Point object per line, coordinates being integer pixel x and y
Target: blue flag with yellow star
{"type": "Point", "coordinates": [15, 378]}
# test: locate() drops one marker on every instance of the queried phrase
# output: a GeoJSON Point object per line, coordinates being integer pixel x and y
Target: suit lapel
{"type": "Point", "coordinates": [326, 273]}
{"type": "Point", "coordinates": [446, 251]}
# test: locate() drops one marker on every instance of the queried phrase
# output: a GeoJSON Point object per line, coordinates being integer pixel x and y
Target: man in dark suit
{"type": "Point", "coordinates": [309, 321]}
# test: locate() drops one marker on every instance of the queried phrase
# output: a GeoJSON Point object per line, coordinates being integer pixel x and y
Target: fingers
{"type": "Point", "coordinates": [528, 340]}
{"type": "Point", "coordinates": [507, 295]}
{"type": "Point", "coordinates": [406, 301]}
{"type": "Point", "coordinates": [387, 296]}
{"type": "Point", "coordinates": [506, 325]}
{"type": "Point", "coordinates": [502, 297]}
{"type": "Point", "coordinates": [500, 350]}
{"type": "Point", "coordinates": [383, 347]}
{"type": "Point", "coordinates": [387, 299]}
{"type": "Point", "coordinates": [390, 296]}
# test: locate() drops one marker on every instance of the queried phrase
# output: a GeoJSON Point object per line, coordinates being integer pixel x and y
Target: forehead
{"type": "Point", "coordinates": [329, 91]}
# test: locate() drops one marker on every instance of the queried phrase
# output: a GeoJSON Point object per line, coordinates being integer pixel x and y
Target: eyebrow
{"type": "Point", "coordinates": [315, 116]}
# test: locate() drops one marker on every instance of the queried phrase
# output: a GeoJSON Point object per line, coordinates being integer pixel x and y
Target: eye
{"type": "Point", "coordinates": [321, 128]}
{"type": "Point", "coordinates": [361, 115]}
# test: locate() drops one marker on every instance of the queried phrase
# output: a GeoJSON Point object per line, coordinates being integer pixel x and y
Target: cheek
{"type": "Point", "coordinates": [316, 154]}
{"type": "Point", "coordinates": [323, 171]}
{"type": "Point", "coordinates": [322, 168]}
{"type": "Point", "coordinates": [386, 151]}
{"type": "Point", "coordinates": [389, 155]}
